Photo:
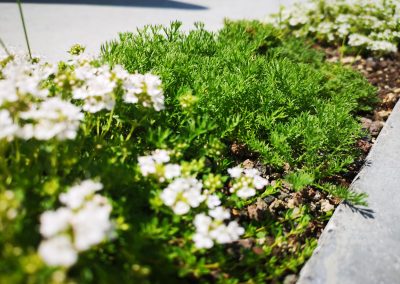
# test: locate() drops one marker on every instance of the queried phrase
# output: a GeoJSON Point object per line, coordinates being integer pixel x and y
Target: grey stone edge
{"type": "Point", "coordinates": [362, 245]}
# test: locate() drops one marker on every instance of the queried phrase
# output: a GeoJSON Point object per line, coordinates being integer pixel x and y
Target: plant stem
{"type": "Point", "coordinates": [130, 132]}
{"type": "Point", "coordinates": [17, 153]}
{"type": "Point", "coordinates": [23, 24]}
{"type": "Point", "coordinates": [4, 47]}
{"type": "Point", "coordinates": [98, 126]}
{"type": "Point", "coordinates": [109, 121]}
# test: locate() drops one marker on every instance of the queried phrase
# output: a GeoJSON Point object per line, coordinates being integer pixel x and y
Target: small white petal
{"type": "Point", "coordinates": [260, 182]}
{"type": "Point", "coordinates": [246, 192]}
{"type": "Point", "coordinates": [58, 251]}
{"type": "Point", "coordinates": [220, 213]}
{"type": "Point", "coordinates": [235, 172]}
{"type": "Point", "coordinates": [181, 208]}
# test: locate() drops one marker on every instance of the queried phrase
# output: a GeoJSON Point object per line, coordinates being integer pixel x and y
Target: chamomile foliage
{"type": "Point", "coordinates": [250, 83]}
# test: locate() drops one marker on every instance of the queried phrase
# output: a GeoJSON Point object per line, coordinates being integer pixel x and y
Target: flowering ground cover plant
{"type": "Point", "coordinates": [357, 26]}
{"type": "Point", "coordinates": [164, 160]}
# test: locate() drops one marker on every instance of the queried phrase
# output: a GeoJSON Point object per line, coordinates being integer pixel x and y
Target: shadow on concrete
{"type": "Point", "coordinates": [365, 212]}
{"type": "Point", "coordinates": [166, 4]}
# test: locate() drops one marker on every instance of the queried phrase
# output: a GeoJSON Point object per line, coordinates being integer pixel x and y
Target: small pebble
{"type": "Point", "coordinates": [326, 206]}
{"type": "Point", "coordinates": [290, 279]}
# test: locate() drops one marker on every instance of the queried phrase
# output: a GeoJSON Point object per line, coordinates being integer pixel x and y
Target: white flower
{"type": "Point", "coordinates": [21, 78]}
{"type": "Point", "coordinates": [147, 165]}
{"type": "Point", "coordinates": [58, 251]}
{"type": "Point", "coordinates": [221, 235]}
{"type": "Point", "coordinates": [97, 88]}
{"type": "Point", "coordinates": [84, 72]}
{"type": "Point", "coordinates": [160, 156]}
{"type": "Point", "coordinates": [343, 18]}
{"type": "Point", "coordinates": [246, 192]}
{"type": "Point", "coordinates": [133, 86]}
{"type": "Point", "coordinates": [210, 230]}
{"type": "Point", "coordinates": [251, 172]}
{"type": "Point", "coordinates": [7, 127]}
{"type": "Point", "coordinates": [202, 241]}
{"type": "Point", "coordinates": [76, 195]}
{"type": "Point", "coordinates": [343, 29]}
{"type": "Point", "coordinates": [152, 85]}
{"type": "Point", "coordinates": [235, 172]}
{"type": "Point", "coordinates": [120, 72]}
{"type": "Point", "coordinates": [26, 132]}
{"type": "Point", "coordinates": [234, 230]}
{"type": "Point", "coordinates": [7, 92]}
{"type": "Point", "coordinates": [181, 208]}
{"type": "Point", "coordinates": [219, 213]}
{"type": "Point", "coordinates": [201, 238]}
{"type": "Point", "coordinates": [91, 224]}
{"type": "Point", "coordinates": [54, 222]}
{"type": "Point", "coordinates": [381, 45]}
{"type": "Point", "coordinates": [130, 97]}
{"type": "Point", "coordinates": [155, 165]}
{"type": "Point", "coordinates": [213, 201]}
{"type": "Point", "coordinates": [53, 118]}
{"type": "Point", "coordinates": [297, 16]}
{"type": "Point", "coordinates": [202, 222]}
{"type": "Point", "coordinates": [325, 28]}
{"type": "Point", "coordinates": [141, 88]}
{"type": "Point", "coordinates": [260, 182]}
{"type": "Point", "coordinates": [172, 171]}
{"type": "Point", "coordinates": [246, 182]}
{"type": "Point", "coordinates": [182, 194]}
{"type": "Point", "coordinates": [86, 221]}
{"type": "Point", "coordinates": [226, 234]}
{"type": "Point", "coordinates": [358, 40]}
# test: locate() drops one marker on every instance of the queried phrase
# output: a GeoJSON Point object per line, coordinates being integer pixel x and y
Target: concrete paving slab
{"type": "Point", "coordinates": [54, 26]}
{"type": "Point", "coordinates": [362, 245]}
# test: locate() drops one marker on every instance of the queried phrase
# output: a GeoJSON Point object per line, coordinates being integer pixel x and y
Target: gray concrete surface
{"type": "Point", "coordinates": [54, 26]}
{"type": "Point", "coordinates": [363, 246]}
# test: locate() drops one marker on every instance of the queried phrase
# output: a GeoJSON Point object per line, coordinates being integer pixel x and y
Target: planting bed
{"type": "Point", "coordinates": [179, 157]}
{"type": "Point", "coordinates": [295, 181]}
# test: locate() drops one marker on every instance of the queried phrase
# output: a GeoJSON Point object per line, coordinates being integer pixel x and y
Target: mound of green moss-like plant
{"type": "Point", "coordinates": [249, 84]}
{"type": "Point", "coordinates": [115, 177]}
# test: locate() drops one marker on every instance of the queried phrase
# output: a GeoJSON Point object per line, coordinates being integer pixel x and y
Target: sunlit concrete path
{"type": "Point", "coordinates": [53, 26]}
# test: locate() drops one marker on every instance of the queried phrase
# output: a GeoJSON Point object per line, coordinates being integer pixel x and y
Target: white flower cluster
{"type": "Point", "coordinates": [366, 24]}
{"type": "Point", "coordinates": [141, 88]}
{"type": "Point", "coordinates": [246, 181]}
{"type": "Point", "coordinates": [51, 118]}
{"type": "Point", "coordinates": [28, 111]}
{"type": "Point", "coordinates": [20, 78]}
{"type": "Point", "coordinates": [212, 228]}
{"type": "Point", "coordinates": [186, 192]}
{"type": "Point", "coordinates": [81, 224]}
{"type": "Point", "coordinates": [38, 116]}
{"type": "Point", "coordinates": [96, 86]}
{"type": "Point", "coordinates": [183, 194]}
{"type": "Point", "coordinates": [7, 126]}
{"type": "Point", "coordinates": [156, 165]}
